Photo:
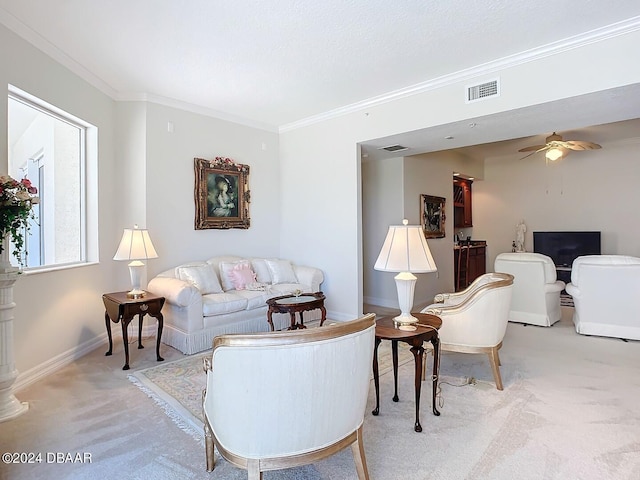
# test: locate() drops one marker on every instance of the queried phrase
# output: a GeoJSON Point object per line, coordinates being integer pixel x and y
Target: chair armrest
{"type": "Point", "coordinates": [556, 286]}
{"type": "Point", "coordinates": [309, 276]}
{"type": "Point", "coordinates": [573, 290]}
{"type": "Point", "coordinates": [175, 291]}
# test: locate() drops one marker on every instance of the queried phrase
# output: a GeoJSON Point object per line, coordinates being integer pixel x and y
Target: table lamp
{"type": "Point", "coordinates": [135, 246]}
{"type": "Point", "coordinates": [405, 250]}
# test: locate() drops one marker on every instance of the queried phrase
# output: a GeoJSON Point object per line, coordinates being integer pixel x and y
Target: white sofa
{"type": "Point", "coordinates": [606, 292]}
{"type": "Point", "coordinates": [536, 290]}
{"type": "Point", "coordinates": [202, 300]}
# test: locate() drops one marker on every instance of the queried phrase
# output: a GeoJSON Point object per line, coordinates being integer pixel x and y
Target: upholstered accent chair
{"type": "Point", "coordinates": [282, 399]}
{"type": "Point", "coordinates": [475, 319]}
{"type": "Point", "coordinates": [605, 291]}
{"type": "Point", "coordinates": [536, 290]}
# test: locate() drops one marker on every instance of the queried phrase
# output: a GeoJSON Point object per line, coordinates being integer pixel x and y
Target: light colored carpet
{"type": "Point", "coordinates": [569, 411]}
{"type": "Point", "coordinates": [177, 386]}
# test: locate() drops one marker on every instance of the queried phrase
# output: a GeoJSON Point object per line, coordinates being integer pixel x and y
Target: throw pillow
{"type": "Point", "coordinates": [202, 276]}
{"type": "Point", "coordinates": [241, 275]}
{"type": "Point", "coordinates": [281, 271]}
{"type": "Point", "coordinates": [225, 273]}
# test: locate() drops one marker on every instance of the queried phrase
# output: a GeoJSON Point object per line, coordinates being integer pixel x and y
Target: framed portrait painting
{"type": "Point", "coordinates": [432, 216]}
{"type": "Point", "coordinates": [221, 194]}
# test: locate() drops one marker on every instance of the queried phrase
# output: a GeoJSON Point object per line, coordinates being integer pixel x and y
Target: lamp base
{"type": "Point", "coordinates": [405, 322]}
{"type": "Point", "coordinates": [135, 293]}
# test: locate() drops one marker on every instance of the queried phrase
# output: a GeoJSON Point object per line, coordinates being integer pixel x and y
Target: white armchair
{"type": "Point", "coordinates": [536, 290]}
{"type": "Point", "coordinates": [605, 291]}
{"type": "Point", "coordinates": [283, 399]}
{"type": "Point", "coordinates": [475, 319]}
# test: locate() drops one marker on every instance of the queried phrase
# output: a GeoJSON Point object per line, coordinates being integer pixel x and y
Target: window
{"type": "Point", "coordinates": [50, 148]}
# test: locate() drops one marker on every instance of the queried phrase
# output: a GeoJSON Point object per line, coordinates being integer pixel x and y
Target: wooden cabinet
{"type": "Point", "coordinates": [477, 265]}
{"type": "Point", "coordinates": [462, 217]}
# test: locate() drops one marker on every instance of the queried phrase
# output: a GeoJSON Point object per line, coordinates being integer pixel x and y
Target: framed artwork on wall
{"type": "Point", "coordinates": [221, 194]}
{"type": "Point", "coordinates": [432, 216]}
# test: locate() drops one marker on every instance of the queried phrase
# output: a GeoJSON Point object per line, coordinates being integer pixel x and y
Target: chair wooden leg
{"type": "Point", "coordinates": [253, 469]}
{"type": "Point", "coordinates": [208, 440]}
{"type": "Point", "coordinates": [494, 359]}
{"type": "Point", "coordinates": [359, 458]}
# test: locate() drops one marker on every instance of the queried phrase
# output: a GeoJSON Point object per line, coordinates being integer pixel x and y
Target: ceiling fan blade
{"type": "Point", "coordinates": [579, 145]}
{"type": "Point", "coordinates": [542, 147]}
{"type": "Point", "coordinates": [534, 148]}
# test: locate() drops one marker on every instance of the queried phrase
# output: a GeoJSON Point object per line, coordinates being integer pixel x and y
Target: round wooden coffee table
{"type": "Point", "coordinates": [293, 304]}
{"type": "Point", "coordinates": [426, 331]}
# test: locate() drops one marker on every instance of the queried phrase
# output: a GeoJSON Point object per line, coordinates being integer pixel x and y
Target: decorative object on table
{"type": "Point", "coordinates": [135, 246]}
{"type": "Point", "coordinates": [405, 250]}
{"type": "Point", "coordinates": [222, 194]}
{"type": "Point", "coordinates": [17, 199]}
{"type": "Point", "coordinates": [521, 228]}
{"type": "Point", "coordinates": [432, 216]}
{"type": "Point", "coordinates": [16, 209]}
{"type": "Point", "coordinates": [556, 148]}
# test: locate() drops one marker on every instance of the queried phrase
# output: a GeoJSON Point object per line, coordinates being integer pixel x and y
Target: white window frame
{"type": "Point", "coordinates": [88, 180]}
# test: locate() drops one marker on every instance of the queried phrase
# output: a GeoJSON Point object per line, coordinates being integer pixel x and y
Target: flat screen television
{"type": "Point", "coordinates": [565, 247]}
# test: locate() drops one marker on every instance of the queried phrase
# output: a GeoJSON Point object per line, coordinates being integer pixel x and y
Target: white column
{"type": "Point", "coordinates": [10, 406]}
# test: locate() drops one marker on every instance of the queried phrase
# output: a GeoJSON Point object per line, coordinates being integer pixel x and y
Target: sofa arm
{"type": "Point", "coordinates": [554, 287]}
{"type": "Point", "coordinates": [176, 291]}
{"type": "Point", "coordinates": [309, 276]}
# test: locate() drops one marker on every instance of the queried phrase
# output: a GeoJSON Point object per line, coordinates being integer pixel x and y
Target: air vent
{"type": "Point", "coordinates": [394, 148]}
{"type": "Point", "coordinates": [482, 91]}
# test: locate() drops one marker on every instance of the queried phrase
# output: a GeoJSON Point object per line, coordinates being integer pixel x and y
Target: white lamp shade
{"type": "Point", "coordinates": [135, 245]}
{"type": "Point", "coordinates": [405, 250]}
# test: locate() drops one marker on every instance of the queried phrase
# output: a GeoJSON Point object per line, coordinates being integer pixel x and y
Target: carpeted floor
{"type": "Point", "coordinates": [569, 411]}
{"type": "Point", "coordinates": [177, 386]}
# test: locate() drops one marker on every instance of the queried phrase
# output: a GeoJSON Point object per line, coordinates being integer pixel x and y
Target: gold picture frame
{"type": "Point", "coordinates": [432, 216]}
{"type": "Point", "coordinates": [221, 194]}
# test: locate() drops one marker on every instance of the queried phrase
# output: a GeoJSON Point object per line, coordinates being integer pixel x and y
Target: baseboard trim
{"type": "Point", "coordinates": [31, 376]}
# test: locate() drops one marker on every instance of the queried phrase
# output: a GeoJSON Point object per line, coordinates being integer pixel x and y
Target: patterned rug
{"type": "Point", "coordinates": [177, 386]}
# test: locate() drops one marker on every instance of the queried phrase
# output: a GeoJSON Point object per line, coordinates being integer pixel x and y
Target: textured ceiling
{"type": "Point", "coordinates": [273, 63]}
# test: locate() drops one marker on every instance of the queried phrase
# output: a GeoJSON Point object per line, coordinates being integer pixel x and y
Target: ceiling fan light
{"type": "Point", "coordinates": [553, 154]}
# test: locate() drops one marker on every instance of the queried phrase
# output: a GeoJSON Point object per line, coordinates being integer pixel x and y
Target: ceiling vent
{"type": "Point", "coordinates": [394, 148]}
{"type": "Point", "coordinates": [481, 91]}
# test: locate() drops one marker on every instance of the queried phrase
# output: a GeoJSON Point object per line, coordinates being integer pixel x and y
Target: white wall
{"type": "Point", "coordinates": [592, 190]}
{"type": "Point", "coordinates": [60, 312]}
{"type": "Point", "coordinates": [430, 174]}
{"type": "Point", "coordinates": [170, 185]}
{"type": "Point", "coordinates": [326, 152]}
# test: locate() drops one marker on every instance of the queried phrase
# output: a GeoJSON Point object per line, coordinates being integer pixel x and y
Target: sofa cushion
{"type": "Point", "coordinates": [262, 271]}
{"type": "Point", "coordinates": [203, 277]}
{"type": "Point", "coordinates": [221, 303]}
{"type": "Point", "coordinates": [255, 299]}
{"type": "Point", "coordinates": [241, 275]}
{"type": "Point", "coordinates": [281, 271]}
{"type": "Point", "coordinates": [225, 273]}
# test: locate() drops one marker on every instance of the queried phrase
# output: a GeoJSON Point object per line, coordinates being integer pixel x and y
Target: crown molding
{"type": "Point", "coordinates": [489, 68]}
{"type": "Point", "coordinates": [197, 109]}
{"type": "Point", "coordinates": [42, 44]}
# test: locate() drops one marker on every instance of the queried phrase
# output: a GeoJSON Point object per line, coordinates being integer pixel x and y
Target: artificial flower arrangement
{"type": "Point", "coordinates": [16, 208]}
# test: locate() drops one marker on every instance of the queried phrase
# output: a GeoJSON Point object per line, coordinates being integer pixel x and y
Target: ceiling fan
{"type": "Point", "coordinates": [557, 148]}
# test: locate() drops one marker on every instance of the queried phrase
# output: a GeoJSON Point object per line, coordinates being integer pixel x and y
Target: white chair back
{"type": "Point", "coordinates": [536, 290]}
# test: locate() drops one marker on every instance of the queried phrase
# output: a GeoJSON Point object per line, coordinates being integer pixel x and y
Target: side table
{"type": "Point", "coordinates": [292, 304]}
{"type": "Point", "coordinates": [120, 308]}
{"type": "Point", "coordinates": [426, 331]}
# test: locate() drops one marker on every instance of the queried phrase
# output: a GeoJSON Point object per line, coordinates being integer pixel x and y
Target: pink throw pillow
{"type": "Point", "coordinates": [241, 275]}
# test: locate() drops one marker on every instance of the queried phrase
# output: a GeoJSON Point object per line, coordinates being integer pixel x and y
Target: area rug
{"type": "Point", "coordinates": [177, 386]}
{"type": "Point", "coordinates": [564, 413]}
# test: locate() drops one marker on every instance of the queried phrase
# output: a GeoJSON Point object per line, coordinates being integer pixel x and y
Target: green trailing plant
{"type": "Point", "coordinates": [16, 209]}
